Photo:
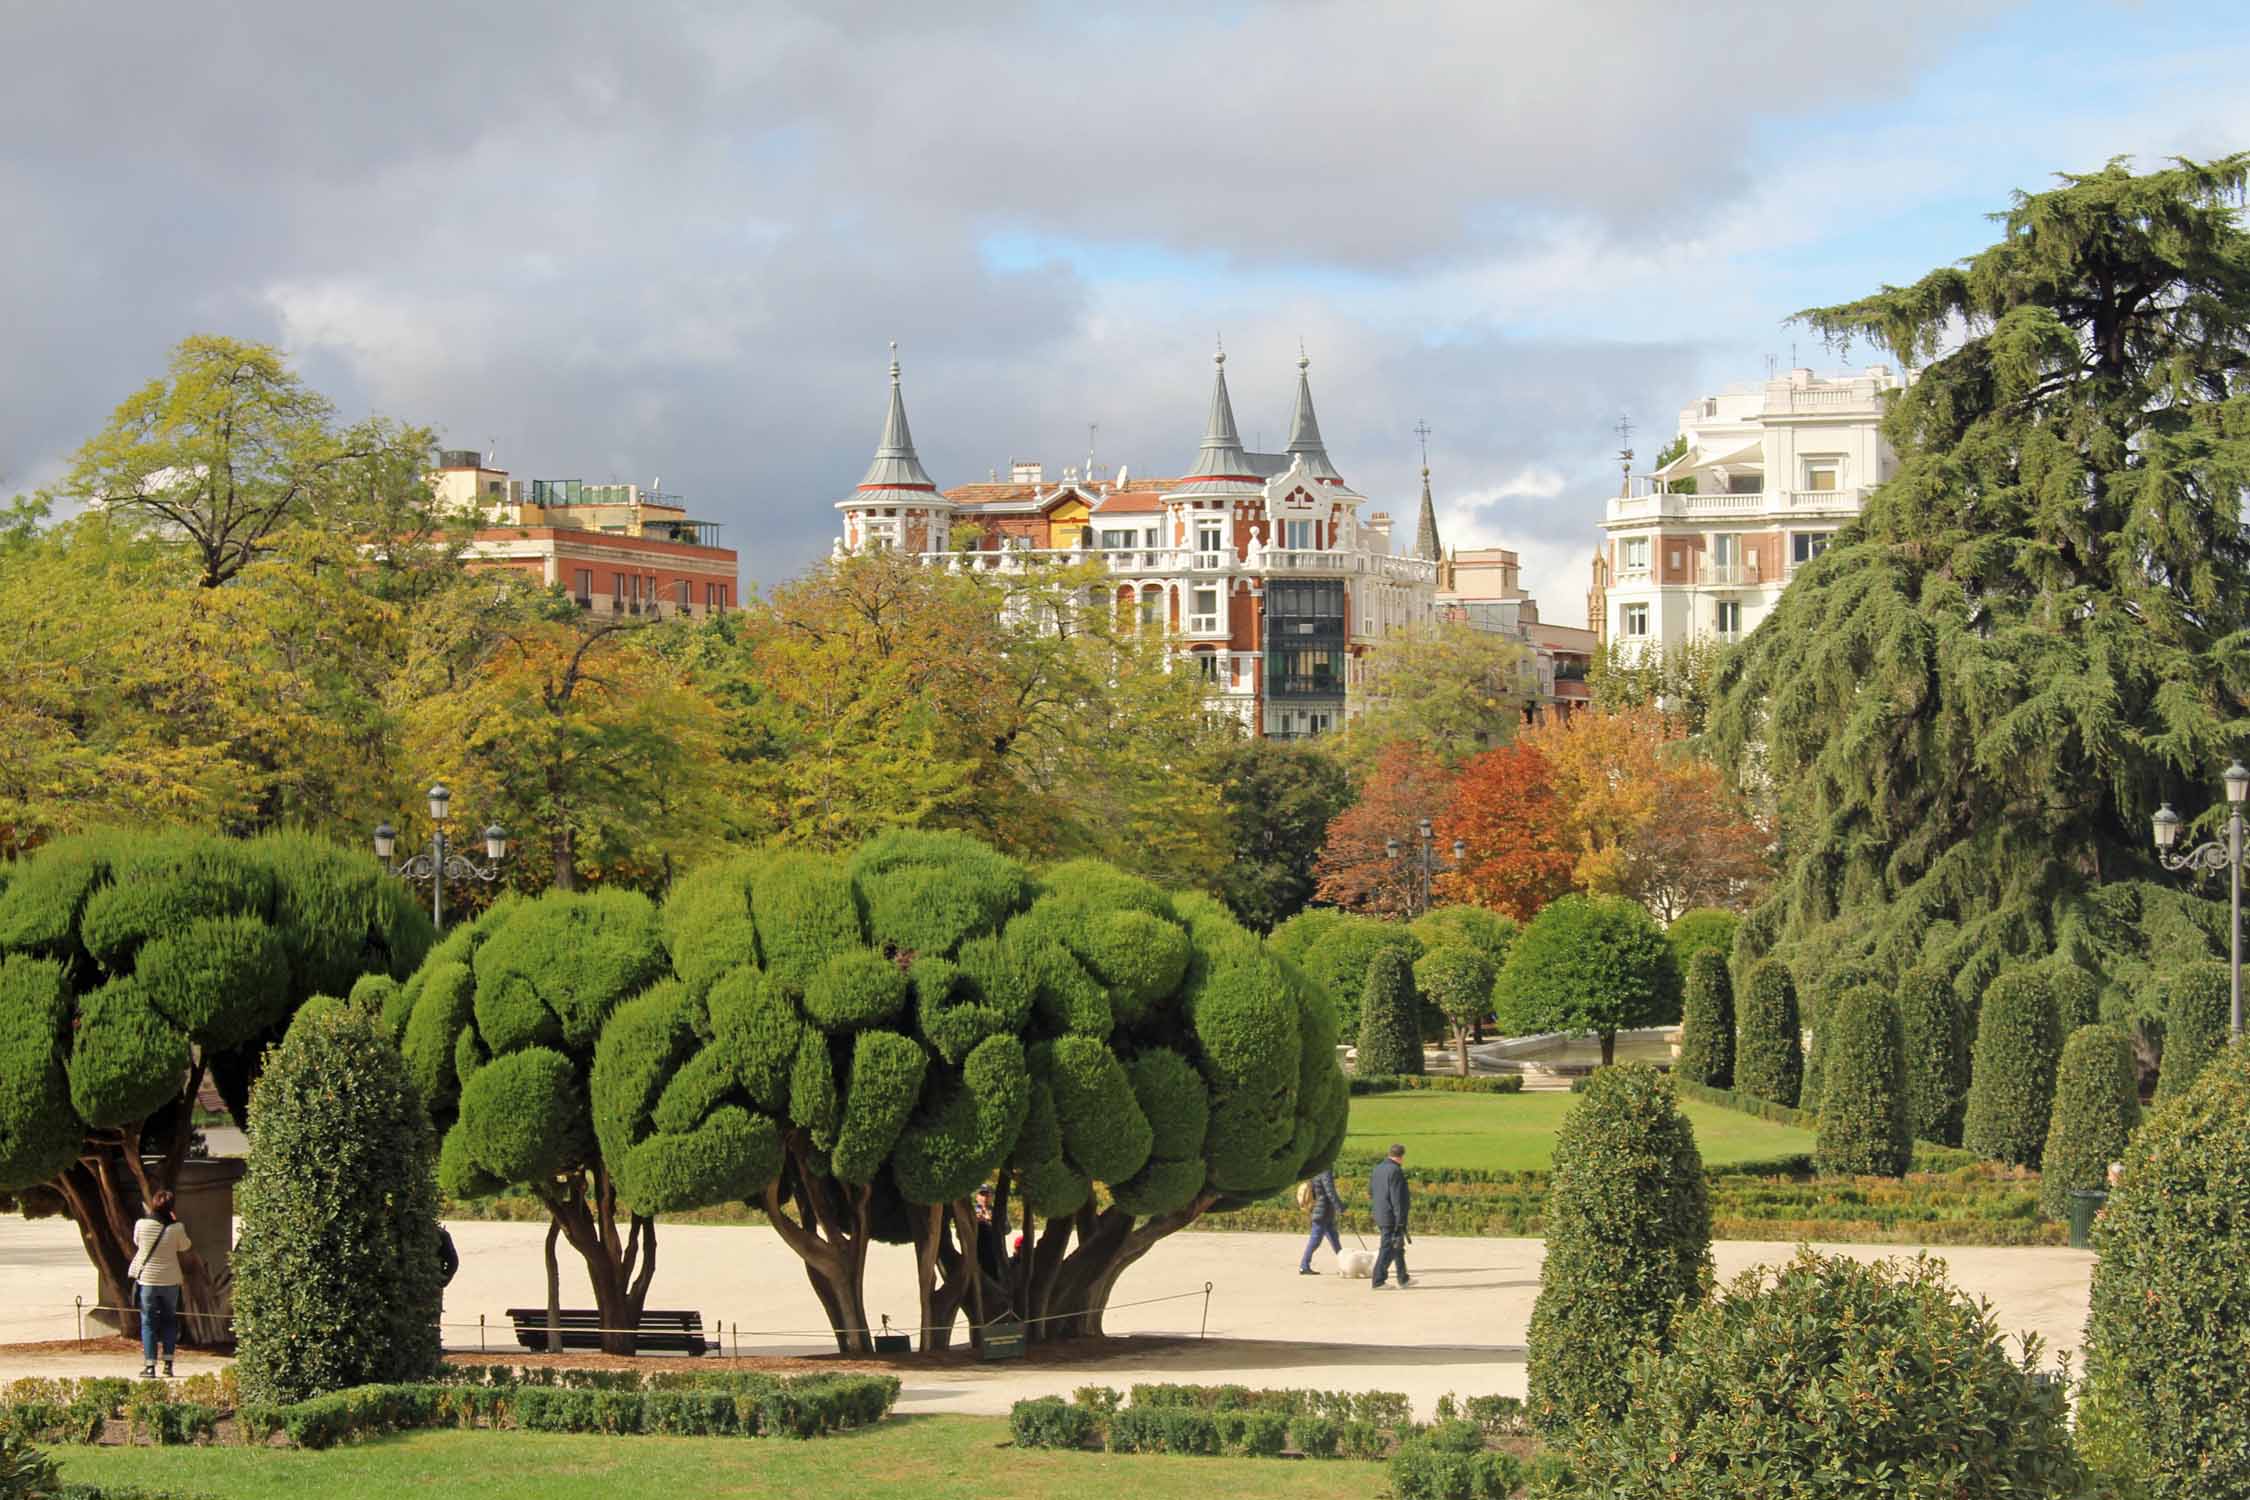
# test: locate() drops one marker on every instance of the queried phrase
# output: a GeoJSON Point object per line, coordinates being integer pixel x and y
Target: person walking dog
{"type": "Point", "coordinates": [1319, 1195]}
{"type": "Point", "coordinates": [1387, 1185]}
{"type": "Point", "coordinates": [159, 1240]}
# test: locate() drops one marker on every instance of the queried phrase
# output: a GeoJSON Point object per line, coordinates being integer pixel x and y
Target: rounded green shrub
{"type": "Point", "coordinates": [706, 918]}
{"type": "Point", "coordinates": [1769, 1059]}
{"type": "Point", "coordinates": [523, 1116]}
{"type": "Point", "coordinates": [928, 893]}
{"type": "Point", "coordinates": [2078, 996]}
{"type": "Point", "coordinates": [1706, 929]}
{"type": "Point", "coordinates": [855, 989]}
{"type": "Point", "coordinates": [2012, 1080]}
{"type": "Point", "coordinates": [1707, 1026]}
{"type": "Point", "coordinates": [1457, 980]}
{"type": "Point", "coordinates": [966, 1125]}
{"type": "Point", "coordinates": [885, 1081]}
{"type": "Point", "coordinates": [39, 1130]}
{"type": "Point", "coordinates": [806, 911]}
{"type": "Point", "coordinates": [1334, 948]}
{"type": "Point", "coordinates": [1935, 1032]}
{"type": "Point", "coordinates": [757, 1029]}
{"type": "Point", "coordinates": [1830, 1377]}
{"type": "Point", "coordinates": [1863, 1129]}
{"type": "Point", "coordinates": [1490, 932]}
{"type": "Point", "coordinates": [1104, 1133]}
{"type": "Point", "coordinates": [1830, 986]}
{"type": "Point", "coordinates": [551, 972]}
{"type": "Point", "coordinates": [221, 978]}
{"type": "Point", "coordinates": [1589, 965]}
{"type": "Point", "coordinates": [1390, 1033]}
{"type": "Point", "coordinates": [2167, 1391]}
{"type": "Point", "coordinates": [2199, 1008]}
{"type": "Point", "coordinates": [1628, 1226]}
{"type": "Point", "coordinates": [444, 1001]}
{"type": "Point", "coordinates": [336, 1278]}
{"type": "Point", "coordinates": [2097, 1104]}
{"type": "Point", "coordinates": [126, 1061]}
{"type": "Point", "coordinates": [1140, 958]}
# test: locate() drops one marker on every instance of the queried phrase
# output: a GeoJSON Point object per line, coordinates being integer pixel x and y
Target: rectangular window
{"type": "Point", "coordinates": [617, 588]}
{"type": "Point", "coordinates": [1207, 662]}
{"type": "Point", "coordinates": [1821, 478]}
{"type": "Point", "coordinates": [1728, 617]}
{"type": "Point", "coordinates": [1636, 554]}
{"type": "Point", "coordinates": [1209, 536]}
{"type": "Point", "coordinates": [681, 588]}
{"type": "Point", "coordinates": [1632, 619]}
{"type": "Point", "coordinates": [1203, 609]}
{"type": "Point", "coordinates": [1746, 484]}
{"type": "Point", "coordinates": [1804, 546]}
{"type": "Point", "coordinates": [1117, 539]}
{"type": "Point", "coordinates": [1726, 550]}
{"type": "Point", "coordinates": [1301, 536]}
{"type": "Point", "coordinates": [582, 585]}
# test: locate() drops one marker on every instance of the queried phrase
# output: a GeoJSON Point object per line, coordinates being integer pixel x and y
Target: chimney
{"type": "Point", "coordinates": [1379, 525]}
{"type": "Point", "coordinates": [1023, 471]}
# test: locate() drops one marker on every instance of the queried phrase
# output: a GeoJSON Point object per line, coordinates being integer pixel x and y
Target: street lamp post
{"type": "Point", "coordinates": [439, 863]}
{"type": "Point", "coordinates": [1426, 862]}
{"type": "Point", "coordinates": [2216, 856]}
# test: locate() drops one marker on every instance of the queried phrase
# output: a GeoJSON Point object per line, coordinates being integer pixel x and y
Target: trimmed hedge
{"type": "Point", "coordinates": [1628, 1241]}
{"type": "Point", "coordinates": [1334, 949]}
{"type": "Point", "coordinates": [1707, 1030]}
{"type": "Point", "coordinates": [1436, 1083]}
{"type": "Point", "coordinates": [2167, 1396]}
{"type": "Point", "coordinates": [2097, 1104]}
{"type": "Point", "coordinates": [1390, 1035]}
{"type": "Point", "coordinates": [1863, 1127]}
{"type": "Point", "coordinates": [2199, 1009]}
{"type": "Point", "coordinates": [1935, 1030]}
{"type": "Point", "coordinates": [2012, 1085]}
{"type": "Point", "coordinates": [1769, 1062]}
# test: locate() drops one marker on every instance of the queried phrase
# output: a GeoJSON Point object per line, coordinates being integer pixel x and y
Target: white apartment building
{"type": "Point", "coordinates": [1772, 470]}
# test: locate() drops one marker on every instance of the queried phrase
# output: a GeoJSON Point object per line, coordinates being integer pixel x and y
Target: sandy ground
{"type": "Point", "coordinates": [1460, 1327]}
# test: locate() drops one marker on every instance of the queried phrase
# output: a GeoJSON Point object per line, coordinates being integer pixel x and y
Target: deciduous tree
{"type": "Point", "coordinates": [1505, 811]}
{"type": "Point", "coordinates": [1279, 800]}
{"type": "Point", "coordinates": [1357, 869]}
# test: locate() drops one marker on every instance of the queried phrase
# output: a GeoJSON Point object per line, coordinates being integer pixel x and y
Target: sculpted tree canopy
{"type": "Point", "coordinates": [1969, 706]}
{"type": "Point", "coordinates": [135, 966]}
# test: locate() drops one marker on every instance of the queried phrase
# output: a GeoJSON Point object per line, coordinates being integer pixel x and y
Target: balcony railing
{"type": "Point", "coordinates": [1147, 561]}
{"type": "Point", "coordinates": [1736, 572]}
{"type": "Point", "coordinates": [1648, 505]}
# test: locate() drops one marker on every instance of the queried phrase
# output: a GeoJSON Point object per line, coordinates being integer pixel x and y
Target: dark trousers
{"type": "Point", "coordinates": [160, 1321]}
{"type": "Point", "coordinates": [1392, 1253]}
{"type": "Point", "coordinates": [1322, 1229]}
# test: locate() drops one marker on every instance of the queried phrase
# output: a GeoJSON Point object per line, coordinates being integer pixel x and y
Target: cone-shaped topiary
{"type": "Point", "coordinates": [1707, 1031]}
{"type": "Point", "coordinates": [336, 1279]}
{"type": "Point", "coordinates": [1390, 1036]}
{"type": "Point", "coordinates": [2196, 1017]}
{"type": "Point", "coordinates": [1863, 1130]}
{"type": "Point", "coordinates": [1935, 1031]}
{"type": "Point", "coordinates": [1628, 1241]}
{"type": "Point", "coordinates": [1769, 1059]}
{"type": "Point", "coordinates": [1745, 1402]}
{"type": "Point", "coordinates": [2012, 1082]}
{"type": "Point", "coordinates": [1334, 949]}
{"type": "Point", "coordinates": [1593, 965]}
{"type": "Point", "coordinates": [2078, 995]}
{"type": "Point", "coordinates": [2097, 1104]}
{"type": "Point", "coordinates": [2167, 1395]}
{"type": "Point", "coordinates": [1831, 985]}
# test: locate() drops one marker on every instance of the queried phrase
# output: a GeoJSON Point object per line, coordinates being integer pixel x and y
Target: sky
{"type": "Point", "coordinates": [673, 241]}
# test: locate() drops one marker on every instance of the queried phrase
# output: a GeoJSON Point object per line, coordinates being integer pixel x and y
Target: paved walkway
{"type": "Point", "coordinates": [1461, 1327]}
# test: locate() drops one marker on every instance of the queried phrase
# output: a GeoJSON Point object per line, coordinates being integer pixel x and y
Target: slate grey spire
{"type": "Point", "coordinates": [1425, 530]}
{"type": "Point", "coordinates": [896, 465]}
{"type": "Point", "coordinates": [1304, 428]}
{"type": "Point", "coordinates": [1221, 467]}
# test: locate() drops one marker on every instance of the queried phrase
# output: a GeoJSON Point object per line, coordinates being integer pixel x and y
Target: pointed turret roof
{"type": "Point", "coordinates": [1221, 467]}
{"type": "Point", "coordinates": [896, 474]}
{"type": "Point", "coordinates": [1425, 530]}
{"type": "Point", "coordinates": [1304, 430]}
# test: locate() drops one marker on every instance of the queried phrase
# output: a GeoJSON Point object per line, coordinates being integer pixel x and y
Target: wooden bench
{"type": "Point", "coordinates": [659, 1332]}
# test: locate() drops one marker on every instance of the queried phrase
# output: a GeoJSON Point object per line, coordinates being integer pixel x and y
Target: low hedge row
{"type": "Point", "coordinates": [153, 1411]}
{"type": "Point", "coordinates": [1203, 1420]}
{"type": "Point", "coordinates": [1438, 1083]}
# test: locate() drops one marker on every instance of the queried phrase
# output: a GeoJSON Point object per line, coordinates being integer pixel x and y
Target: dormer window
{"type": "Point", "coordinates": [1301, 536]}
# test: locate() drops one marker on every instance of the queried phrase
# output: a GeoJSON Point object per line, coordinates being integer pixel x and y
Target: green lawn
{"type": "Point", "coordinates": [1516, 1132]}
{"type": "Point", "coordinates": [907, 1458]}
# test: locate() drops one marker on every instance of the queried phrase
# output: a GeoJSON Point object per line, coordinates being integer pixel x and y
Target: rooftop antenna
{"type": "Point", "coordinates": [1624, 454]}
{"type": "Point", "coordinates": [1093, 430]}
{"type": "Point", "coordinates": [1773, 361]}
{"type": "Point", "coordinates": [491, 452]}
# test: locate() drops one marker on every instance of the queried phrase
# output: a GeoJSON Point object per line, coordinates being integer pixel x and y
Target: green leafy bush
{"type": "Point", "coordinates": [1589, 965]}
{"type": "Point", "coordinates": [1390, 1035]}
{"type": "Point", "coordinates": [1436, 1083]}
{"type": "Point", "coordinates": [1334, 948]}
{"type": "Point", "coordinates": [2167, 1390]}
{"type": "Point", "coordinates": [1457, 980]}
{"type": "Point", "coordinates": [336, 1279]}
{"type": "Point", "coordinates": [1770, 1058]}
{"type": "Point", "coordinates": [2012, 1084]}
{"type": "Point", "coordinates": [2078, 995]}
{"type": "Point", "coordinates": [2097, 1104]}
{"type": "Point", "coordinates": [1050, 1422]}
{"type": "Point", "coordinates": [1163, 1429]}
{"type": "Point", "coordinates": [1316, 1436]}
{"type": "Point", "coordinates": [1707, 1026]}
{"type": "Point", "coordinates": [1628, 1229]}
{"type": "Point", "coordinates": [1829, 986]}
{"type": "Point", "coordinates": [1863, 1128]}
{"type": "Point", "coordinates": [25, 1472]}
{"type": "Point", "coordinates": [1706, 929]}
{"type": "Point", "coordinates": [2199, 1009]}
{"type": "Point", "coordinates": [1934, 1030]}
{"type": "Point", "coordinates": [1833, 1377]}
{"type": "Point", "coordinates": [1423, 1469]}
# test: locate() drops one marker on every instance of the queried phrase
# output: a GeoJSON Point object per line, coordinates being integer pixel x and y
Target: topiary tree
{"type": "Point", "coordinates": [2012, 1083]}
{"type": "Point", "coordinates": [2097, 1104]}
{"type": "Point", "coordinates": [1746, 1399]}
{"type": "Point", "coordinates": [1770, 1059]}
{"type": "Point", "coordinates": [508, 1035]}
{"type": "Point", "coordinates": [1935, 1032]}
{"type": "Point", "coordinates": [1334, 948]}
{"type": "Point", "coordinates": [1457, 979]}
{"type": "Point", "coordinates": [1589, 964]}
{"type": "Point", "coordinates": [1707, 1027]}
{"type": "Point", "coordinates": [2077, 993]}
{"type": "Point", "coordinates": [336, 1279]}
{"type": "Point", "coordinates": [2166, 1403]}
{"type": "Point", "coordinates": [1628, 1243]}
{"type": "Point", "coordinates": [922, 1017]}
{"type": "Point", "coordinates": [2198, 1010]}
{"type": "Point", "coordinates": [1489, 932]}
{"type": "Point", "coordinates": [1863, 1128]}
{"type": "Point", "coordinates": [134, 967]}
{"type": "Point", "coordinates": [1829, 986]}
{"type": "Point", "coordinates": [1390, 1036]}
{"type": "Point", "coordinates": [1704, 927]}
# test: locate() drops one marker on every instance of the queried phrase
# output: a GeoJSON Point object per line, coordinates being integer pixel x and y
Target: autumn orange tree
{"type": "Point", "coordinates": [1404, 784]}
{"type": "Point", "coordinates": [1504, 809]}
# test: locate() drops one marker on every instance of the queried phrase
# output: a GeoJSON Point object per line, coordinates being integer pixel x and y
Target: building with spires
{"type": "Point", "coordinates": [1259, 566]}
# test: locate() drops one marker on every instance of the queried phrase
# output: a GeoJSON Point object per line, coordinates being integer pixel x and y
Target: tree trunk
{"type": "Point", "coordinates": [1106, 1250]}
{"type": "Point", "coordinates": [1609, 1048]}
{"type": "Point", "coordinates": [1461, 1038]}
{"type": "Point", "coordinates": [611, 1266]}
{"type": "Point", "coordinates": [554, 1287]}
{"type": "Point", "coordinates": [830, 1236]}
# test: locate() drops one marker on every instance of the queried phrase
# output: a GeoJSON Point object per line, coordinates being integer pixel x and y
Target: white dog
{"type": "Point", "coordinates": [1355, 1263]}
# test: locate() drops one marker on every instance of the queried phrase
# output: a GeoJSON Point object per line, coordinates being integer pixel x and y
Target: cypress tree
{"type": "Point", "coordinates": [2199, 1010]}
{"type": "Point", "coordinates": [2097, 1104]}
{"type": "Point", "coordinates": [1863, 1129]}
{"type": "Point", "coordinates": [2047, 594]}
{"type": "Point", "coordinates": [1935, 1032]}
{"type": "Point", "coordinates": [2012, 1084]}
{"type": "Point", "coordinates": [1770, 1062]}
{"type": "Point", "coordinates": [2078, 996]}
{"type": "Point", "coordinates": [1390, 1032]}
{"type": "Point", "coordinates": [1707, 1032]}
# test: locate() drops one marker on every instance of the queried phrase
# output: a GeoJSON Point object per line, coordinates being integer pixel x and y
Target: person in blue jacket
{"type": "Point", "coordinates": [1327, 1211]}
{"type": "Point", "coordinates": [1387, 1185]}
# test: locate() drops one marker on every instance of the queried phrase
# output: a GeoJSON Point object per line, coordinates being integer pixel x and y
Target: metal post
{"type": "Point", "coordinates": [2234, 915]}
{"type": "Point", "coordinates": [480, 1333]}
{"type": "Point", "coordinates": [1205, 1326]}
{"type": "Point", "coordinates": [437, 878]}
{"type": "Point", "coordinates": [81, 1301]}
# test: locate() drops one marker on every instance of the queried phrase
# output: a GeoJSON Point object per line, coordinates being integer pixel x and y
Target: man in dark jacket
{"type": "Point", "coordinates": [1387, 1185]}
{"type": "Point", "coordinates": [1327, 1211]}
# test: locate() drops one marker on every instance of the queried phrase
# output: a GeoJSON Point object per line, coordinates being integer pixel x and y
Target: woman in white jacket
{"type": "Point", "coordinates": [159, 1239]}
